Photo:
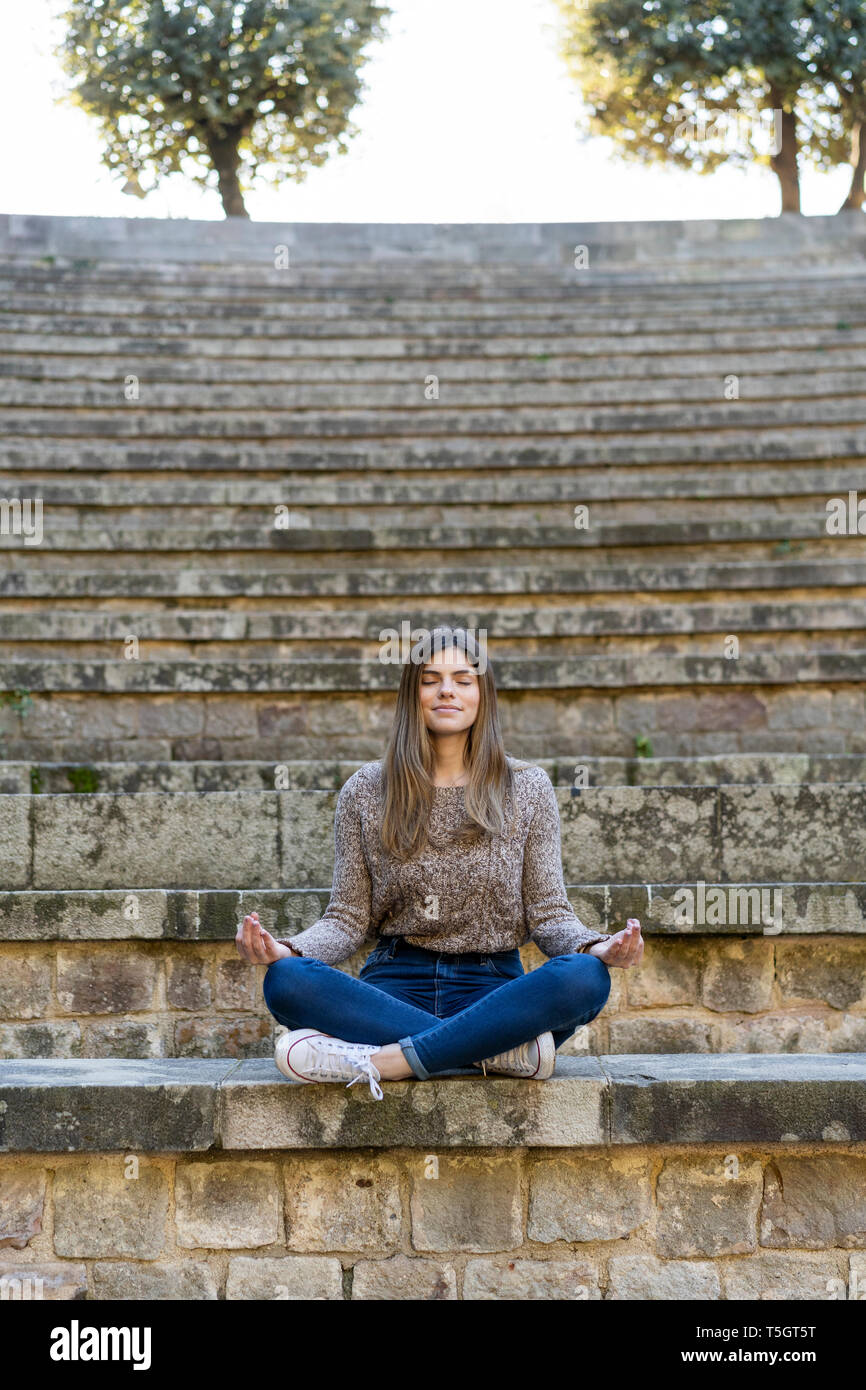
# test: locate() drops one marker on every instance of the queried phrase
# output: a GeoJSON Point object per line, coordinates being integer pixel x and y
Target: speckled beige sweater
{"type": "Point", "coordinates": [490, 896]}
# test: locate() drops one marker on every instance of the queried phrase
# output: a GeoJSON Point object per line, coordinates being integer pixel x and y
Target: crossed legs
{"type": "Point", "coordinates": [560, 995]}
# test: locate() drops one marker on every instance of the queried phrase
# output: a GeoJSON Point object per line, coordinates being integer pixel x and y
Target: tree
{"type": "Point", "coordinates": [238, 89]}
{"type": "Point", "coordinates": [838, 61]}
{"type": "Point", "coordinates": [667, 82]}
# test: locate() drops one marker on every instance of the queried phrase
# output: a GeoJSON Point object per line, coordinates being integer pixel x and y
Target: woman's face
{"type": "Point", "coordinates": [449, 692]}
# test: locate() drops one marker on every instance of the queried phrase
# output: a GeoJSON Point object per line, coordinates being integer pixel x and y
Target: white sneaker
{"type": "Point", "coordinates": [307, 1055]}
{"type": "Point", "coordinates": [533, 1060]}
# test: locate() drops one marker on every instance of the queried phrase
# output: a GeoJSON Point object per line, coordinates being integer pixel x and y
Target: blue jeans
{"type": "Point", "coordinates": [446, 1011]}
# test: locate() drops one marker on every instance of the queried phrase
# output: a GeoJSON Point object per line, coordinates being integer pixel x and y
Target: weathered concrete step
{"type": "Point", "coordinates": [367, 279]}
{"type": "Point", "coordinates": [122, 340]}
{"type": "Point", "coordinates": [365, 284]}
{"type": "Point", "coordinates": [368, 284]}
{"type": "Point", "coordinates": [608, 523]}
{"type": "Point", "coordinates": [681, 723]}
{"type": "Point", "coordinates": [723, 446]}
{"type": "Point", "coordinates": [268, 839]}
{"type": "Point", "coordinates": [93, 293]}
{"type": "Point", "coordinates": [196, 582]}
{"type": "Point", "coordinates": [522, 625]}
{"type": "Point", "coordinates": [192, 1105]}
{"type": "Point", "coordinates": [157, 395]}
{"type": "Point", "coordinates": [431, 335]}
{"type": "Point", "coordinates": [790, 642]}
{"type": "Point", "coordinates": [785, 242]}
{"type": "Point", "coordinates": [758, 526]}
{"type": "Point", "coordinates": [51, 366]}
{"type": "Point", "coordinates": [683, 558]}
{"type": "Point", "coordinates": [445, 278]}
{"type": "Point", "coordinates": [438, 420]}
{"type": "Point", "coordinates": [95, 312]}
{"type": "Point", "coordinates": [578, 671]}
{"type": "Point", "coordinates": [214, 915]}
{"type": "Point", "coordinates": [776, 769]}
{"type": "Point", "coordinates": [720, 485]}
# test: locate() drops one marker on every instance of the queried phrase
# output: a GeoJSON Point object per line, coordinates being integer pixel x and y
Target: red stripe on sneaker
{"type": "Point", "coordinates": [299, 1074]}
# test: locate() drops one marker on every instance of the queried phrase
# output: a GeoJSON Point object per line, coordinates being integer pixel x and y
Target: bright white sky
{"type": "Point", "coordinates": [469, 116]}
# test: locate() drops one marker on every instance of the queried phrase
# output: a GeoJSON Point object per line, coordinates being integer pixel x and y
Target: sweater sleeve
{"type": "Point", "coordinates": [552, 923]}
{"type": "Point", "coordinates": [342, 928]}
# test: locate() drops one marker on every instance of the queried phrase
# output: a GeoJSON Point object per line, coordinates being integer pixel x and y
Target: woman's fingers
{"type": "Point", "coordinates": [627, 945]}
{"type": "Point", "coordinates": [632, 941]}
{"type": "Point", "coordinates": [250, 940]}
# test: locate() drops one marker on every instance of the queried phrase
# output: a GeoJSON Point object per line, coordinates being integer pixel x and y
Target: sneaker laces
{"type": "Point", "coordinates": [329, 1062]}
{"type": "Point", "coordinates": [512, 1058]}
{"type": "Point", "coordinates": [365, 1069]}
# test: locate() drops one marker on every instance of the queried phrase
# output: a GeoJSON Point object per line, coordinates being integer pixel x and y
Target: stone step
{"type": "Point", "coordinates": [239, 1169]}
{"type": "Point", "coordinates": [194, 1105]}
{"type": "Point", "coordinates": [188, 916]}
{"type": "Point", "coordinates": [195, 337]}
{"type": "Point", "coordinates": [201, 775]}
{"type": "Point", "coordinates": [721, 486]}
{"type": "Point", "coordinates": [204, 776]}
{"type": "Point", "coordinates": [96, 313]}
{"type": "Point", "coordinates": [436, 422]}
{"type": "Point", "coordinates": [512, 628]}
{"type": "Point", "coordinates": [194, 581]}
{"type": "Point", "coordinates": [758, 528]}
{"type": "Point", "coordinates": [447, 263]}
{"type": "Point", "coordinates": [653, 246]}
{"type": "Point", "coordinates": [409, 359]}
{"type": "Point", "coordinates": [337, 293]}
{"type": "Point", "coordinates": [49, 366]}
{"type": "Point", "coordinates": [575, 671]}
{"type": "Point", "coordinates": [680, 723]}
{"type": "Point", "coordinates": [366, 396]}
{"type": "Point", "coordinates": [440, 338]}
{"type": "Point", "coordinates": [489, 456]}
{"type": "Point", "coordinates": [368, 285]}
{"type": "Point", "coordinates": [782, 641]}
{"type": "Point", "coordinates": [268, 839]}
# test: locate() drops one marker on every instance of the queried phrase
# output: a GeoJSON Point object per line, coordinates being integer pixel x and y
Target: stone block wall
{"type": "Point", "coordinates": [199, 999]}
{"type": "Point", "coordinates": [771, 1222]}
{"type": "Point", "coordinates": [535, 724]}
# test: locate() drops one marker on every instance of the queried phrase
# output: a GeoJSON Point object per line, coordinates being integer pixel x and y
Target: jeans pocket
{"type": "Point", "coordinates": [382, 951]}
{"type": "Point", "coordinates": [504, 965]}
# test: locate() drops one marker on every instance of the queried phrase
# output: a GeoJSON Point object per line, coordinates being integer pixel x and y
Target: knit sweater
{"type": "Point", "coordinates": [489, 896]}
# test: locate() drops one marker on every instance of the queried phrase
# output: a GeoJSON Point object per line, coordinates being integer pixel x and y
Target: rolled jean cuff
{"type": "Point", "coordinates": [413, 1059]}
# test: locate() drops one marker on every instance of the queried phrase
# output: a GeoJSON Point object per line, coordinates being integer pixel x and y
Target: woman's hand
{"type": "Point", "coordinates": [624, 948]}
{"type": "Point", "coordinates": [257, 945]}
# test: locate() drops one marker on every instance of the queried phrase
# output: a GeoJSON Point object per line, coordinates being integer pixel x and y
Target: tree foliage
{"type": "Point", "coordinates": [729, 81]}
{"type": "Point", "coordinates": [236, 89]}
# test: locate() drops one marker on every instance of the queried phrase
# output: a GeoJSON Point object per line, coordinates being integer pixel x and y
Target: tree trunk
{"type": "Point", "coordinates": [784, 164]}
{"type": "Point", "coordinates": [223, 151]}
{"type": "Point", "coordinates": [858, 167]}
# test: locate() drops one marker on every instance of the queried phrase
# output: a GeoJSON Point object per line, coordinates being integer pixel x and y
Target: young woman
{"type": "Point", "coordinates": [450, 850]}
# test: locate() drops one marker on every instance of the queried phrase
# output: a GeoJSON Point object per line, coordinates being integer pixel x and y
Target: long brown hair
{"type": "Point", "coordinates": [408, 762]}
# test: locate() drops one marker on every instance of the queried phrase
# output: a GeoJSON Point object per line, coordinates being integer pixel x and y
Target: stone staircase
{"type": "Point", "coordinates": [247, 475]}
